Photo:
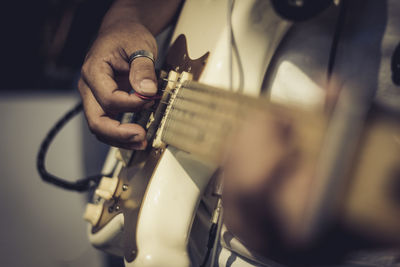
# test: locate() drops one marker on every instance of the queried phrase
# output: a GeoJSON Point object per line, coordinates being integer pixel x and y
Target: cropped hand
{"type": "Point", "coordinates": [107, 81]}
{"type": "Point", "coordinates": [267, 177]}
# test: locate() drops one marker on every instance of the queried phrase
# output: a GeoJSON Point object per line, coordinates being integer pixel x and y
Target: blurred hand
{"type": "Point", "coordinates": [267, 176]}
{"type": "Point", "coordinates": [107, 80]}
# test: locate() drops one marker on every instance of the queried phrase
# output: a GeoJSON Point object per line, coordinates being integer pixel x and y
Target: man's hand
{"type": "Point", "coordinates": [107, 79]}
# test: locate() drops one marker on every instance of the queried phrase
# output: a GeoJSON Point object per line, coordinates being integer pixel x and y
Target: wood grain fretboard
{"type": "Point", "coordinates": [201, 119]}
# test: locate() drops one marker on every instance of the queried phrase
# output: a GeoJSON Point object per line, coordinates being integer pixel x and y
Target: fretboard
{"type": "Point", "coordinates": [200, 119]}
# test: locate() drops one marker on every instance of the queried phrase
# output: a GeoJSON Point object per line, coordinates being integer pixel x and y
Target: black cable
{"type": "Point", "coordinates": [80, 185]}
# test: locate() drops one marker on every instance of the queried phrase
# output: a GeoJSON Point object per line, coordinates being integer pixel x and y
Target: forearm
{"type": "Point", "coordinates": [155, 15]}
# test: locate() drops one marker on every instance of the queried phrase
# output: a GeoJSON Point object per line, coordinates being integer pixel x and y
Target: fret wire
{"type": "Point", "coordinates": [212, 106]}
{"type": "Point", "coordinates": [248, 104]}
{"type": "Point", "coordinates": [210, 148]}
{"type": "Point", "coordinates": [202, 110]}
{"type": "Point", "coordinates": [192, 113]}
{"type": "Point", "coordinates": [215, 115]}
{"type": "Point", "coordinates": [193, 119]}
{"type": "Point", "coordinates": [210, 125]}
{"type": "Point", "coordinates": [211, 93]}
{"type": "Point", "coordinates": [215, 93]}
{"type": "Point", "coordinates": [195, 136]}
{"type": "Point", "coordinates": [227, 123]}
{"type": "Point", "coordinates": [205, 143]}
{"type": "Point", "coordinates": [221, 93]}
{"type": "Point", "coordinates": [211, 128]}
{"type": "Point", "coordinates": [210, 103]}
{"type": "Point", "coordinates": [244, 100]}
{"type": "Point", "coordinates": [218, 99]}
{"type": "Point", "coordinates": [195, 132]}
{"type": "Point", "coordinates": [186, 142]}
{"type": "Point", "coordinates": [198, 115]}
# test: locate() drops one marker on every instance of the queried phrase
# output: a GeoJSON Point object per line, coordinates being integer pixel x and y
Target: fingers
{"type": "Point", "coordinates": [106, 128]}
{"type": "Point", "coordinates": [113, 97]}
{"type": "Point", "coordinates": [260, 146]}
{"type": "Point", "coordinates": [142, 76]}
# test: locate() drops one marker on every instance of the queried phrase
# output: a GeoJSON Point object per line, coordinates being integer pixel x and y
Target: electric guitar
{"type": "Point", "coordinates": [144, 211]}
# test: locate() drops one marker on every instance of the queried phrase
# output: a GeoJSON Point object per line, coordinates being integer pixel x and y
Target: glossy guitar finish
{"type": "Point", "coordinates": [149, 218]}
{"type": "Point", "coordinates": [158, 234]}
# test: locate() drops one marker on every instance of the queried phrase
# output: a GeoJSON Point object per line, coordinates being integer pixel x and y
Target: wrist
{"type": "Point", "coordinates": [155, 15]}
{"type": "Point", "coordinates": [120, 15]}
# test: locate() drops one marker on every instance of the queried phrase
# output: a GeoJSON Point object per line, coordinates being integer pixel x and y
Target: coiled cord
{"type": "Point", "coordinates": [80, 185]}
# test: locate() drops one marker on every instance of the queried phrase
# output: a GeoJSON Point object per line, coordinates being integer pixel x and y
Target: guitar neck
{"type": "Point", "coordinates": [200, 119]}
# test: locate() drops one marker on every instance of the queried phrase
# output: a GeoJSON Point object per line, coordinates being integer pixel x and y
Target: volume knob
{"type": "Point", "coordinates": [93, 213]}
{"type": "Point", "coordinates": [107, 187]}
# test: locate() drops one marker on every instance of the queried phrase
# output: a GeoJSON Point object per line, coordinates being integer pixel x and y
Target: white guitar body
{"type": "Point", "coordinates": [176, 187]}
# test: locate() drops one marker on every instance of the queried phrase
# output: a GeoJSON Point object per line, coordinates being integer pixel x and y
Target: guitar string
{"type": "Point", "coordinates": [191, 118]}
{"type": "Point", "coordinates": [186, 122]}
{"type": "Point", "coordinates": [200, 106]}
{"type": "Point", "coordinates": [202, 115]}
{"type": "Point", "coordinates": [205, 106]}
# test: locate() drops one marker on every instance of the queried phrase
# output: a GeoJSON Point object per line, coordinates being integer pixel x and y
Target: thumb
{"type": "Point", "coordinates": [142, 76]}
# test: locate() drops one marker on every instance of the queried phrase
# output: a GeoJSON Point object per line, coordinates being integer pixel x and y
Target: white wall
{"type": "Point", "coordinates": [41, 225]}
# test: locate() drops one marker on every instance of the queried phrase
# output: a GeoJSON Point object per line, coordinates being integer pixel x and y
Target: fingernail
{"type": "Point", "coordinates": [148, 86]}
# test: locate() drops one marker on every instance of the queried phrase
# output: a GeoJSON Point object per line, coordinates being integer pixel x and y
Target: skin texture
{"type": "Point", "coordinates": [106, 76]}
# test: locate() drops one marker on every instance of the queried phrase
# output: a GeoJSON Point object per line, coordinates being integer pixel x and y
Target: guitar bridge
{"type": "Point", "coordinates": [172, 88]}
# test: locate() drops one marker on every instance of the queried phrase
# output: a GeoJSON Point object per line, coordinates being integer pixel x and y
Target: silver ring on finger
{"type": "Point", "coordinates": [141, 53]}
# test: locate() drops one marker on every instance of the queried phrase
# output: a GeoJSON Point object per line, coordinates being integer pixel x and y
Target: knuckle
{"type": "Point", "coordinates": [85, 69]}
{"type": "Point", "coordinates": [94, 126]}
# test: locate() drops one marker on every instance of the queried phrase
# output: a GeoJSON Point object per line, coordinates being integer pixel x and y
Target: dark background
{"type": "Point", "coordinates": [42, 47]}
{"type": "Point", "coordinates": [44, 42]}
